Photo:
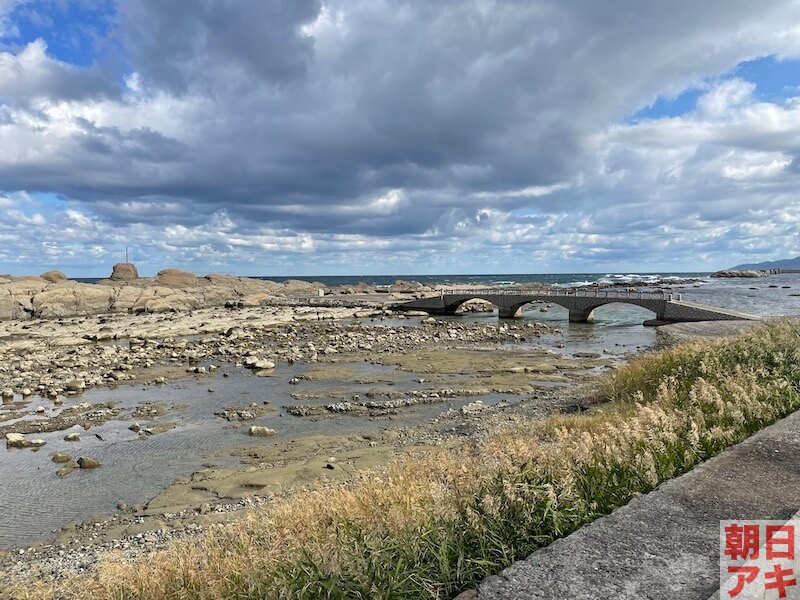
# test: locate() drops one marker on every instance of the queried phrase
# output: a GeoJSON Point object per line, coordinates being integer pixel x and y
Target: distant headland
{"type": "Point", "coordinates": [791, 264]}
{"type": "Point", "coordinates": [762, 269]}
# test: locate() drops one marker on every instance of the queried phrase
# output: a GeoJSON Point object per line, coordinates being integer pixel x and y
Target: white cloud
{"type": "Point", "coordinates": [724, 97]}
{"type": "Point", "coordinates": [31, 74]}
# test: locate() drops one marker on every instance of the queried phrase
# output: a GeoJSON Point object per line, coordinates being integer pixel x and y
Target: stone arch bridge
{"type": "Point", "coordinates": [668, 308]}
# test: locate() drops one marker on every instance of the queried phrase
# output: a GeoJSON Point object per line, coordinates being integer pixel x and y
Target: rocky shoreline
{"type": "Point", "coordinates": [52, 295]}
{"type": "Point", "coordinates": [47, 364]}
{"type": "Point", "coordinates": [51, 363]}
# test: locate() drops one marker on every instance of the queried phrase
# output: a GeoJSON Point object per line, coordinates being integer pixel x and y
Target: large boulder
{"type": "Point", "coordinates": [15, 307]}
{"type": "Point", "coordinates": [259, 431]}
{"type": "Point", "coordinates": [408, 287]}
{"type": "Point", "coordinates": [176, 278]}
{"type": "Point", "coordinates": [84, 462]}
{"type": "Point", "coordinates": [53, 276]}
{"type": "Point", "coordinates": [258, 364]}
{"type": "Point", "coordinates": [230, 281]}
{"type": "Point", "coordinates": [251, 300]}
{"type": "Point", "coordinates": [124, 272]}
{"type": "Point", "coordinates": [67, 300]}
{"type": "Point", "coordinates": [124, 298]}
{"type": "Point", "coordinates": [363, 288]}
{"type": "Point", "coordinates": [296, 287]}
{"type": "Point", "coordinates": [26, 285]}
{"type": "Point", "coordinates": [17, 440]}
{"type": "Point", "coordinates": [159, 299]}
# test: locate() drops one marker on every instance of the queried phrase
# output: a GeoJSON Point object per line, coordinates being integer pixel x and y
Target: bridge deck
{"type": "Point", "coordinates": [562, 292]}
{"type": "Point", "coordinates": [726, 311]}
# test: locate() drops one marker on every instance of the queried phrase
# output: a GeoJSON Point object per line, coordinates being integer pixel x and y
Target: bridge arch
{"type": "Point", "coordinates": [580, 308]}
{"type": "Point", "coordinates": [585, 313]}
{"type": "Point", "coordinates": [507, 306]}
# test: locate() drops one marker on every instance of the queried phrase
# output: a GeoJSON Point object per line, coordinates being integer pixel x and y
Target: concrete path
{"type": "Point", "coordinates": [664, 545]}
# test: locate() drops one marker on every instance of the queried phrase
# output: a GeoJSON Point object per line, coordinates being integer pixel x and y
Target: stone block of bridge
{"type": "Point", "coordinates": [509, 312]}
{"type": "Point", "coordinates": [581, 315]}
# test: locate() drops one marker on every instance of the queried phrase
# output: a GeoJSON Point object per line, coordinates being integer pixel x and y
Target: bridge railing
{"type": "Point", "coordinates": [561, 292]}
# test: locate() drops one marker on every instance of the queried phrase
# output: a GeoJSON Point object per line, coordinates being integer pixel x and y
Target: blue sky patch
{"type": "Point", "coordinates": [775, 81]}
{"type": "Point", "coordinates": [75, 31]}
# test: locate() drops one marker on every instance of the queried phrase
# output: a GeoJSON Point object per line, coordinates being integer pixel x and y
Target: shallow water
{"type": "Point", "coordinates": [36, 502]}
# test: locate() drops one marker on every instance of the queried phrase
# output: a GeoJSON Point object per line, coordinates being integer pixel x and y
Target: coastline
{"type": "Point", "coordinates": [154, 351]}
{"type": "Point", "coordinates": [180, 510]}
{"type": "Point", "coordinates": [200, 337]}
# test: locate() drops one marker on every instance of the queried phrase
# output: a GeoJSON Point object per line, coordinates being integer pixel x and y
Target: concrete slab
{"type": "Point", "coordinates": [665, 544]}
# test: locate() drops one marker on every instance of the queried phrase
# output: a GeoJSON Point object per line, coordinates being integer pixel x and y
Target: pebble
{"type": "Point", "coordinates": [259, 431]}
{"type": "Point", "coordinates": [84, 462]}
{"type": "Point", "coordinates": [82, 552]}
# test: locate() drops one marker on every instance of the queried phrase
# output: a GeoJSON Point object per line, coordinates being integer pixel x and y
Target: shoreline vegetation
{"type": "Point", "coordinates": [431, 525]}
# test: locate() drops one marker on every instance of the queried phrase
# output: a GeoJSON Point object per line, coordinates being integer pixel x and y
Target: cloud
{"type": "Point", "coordinates": [727, 95]}
{"type": "Point", "coordinates": [413, 131]}
{"type": "Point", "coordinates": [204, 44]}
{"type": "Point", "coordinates": [32, 75]}
{"type": "Point", "coordinates": [8, 28]}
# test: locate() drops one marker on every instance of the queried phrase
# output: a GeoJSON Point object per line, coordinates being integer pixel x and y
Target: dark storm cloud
{"type": "Point", "coordinates": [141, 144]}
{"type": "Point", "coordinates": [417, 95]}
{"type": "Point", "coordinates": [185, 44]}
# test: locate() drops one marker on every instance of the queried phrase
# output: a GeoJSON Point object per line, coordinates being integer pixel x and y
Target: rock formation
{"type": "Point", "coordinates": [734, 273]}
{"type": "Point", "coordinates": [176, 278]}
{"type": "Point", "coordinates": [53, 276]}
{"type": "Point", "coordinates": [124, 272]}
{"type": "Point", "coordinates": [52, 295]}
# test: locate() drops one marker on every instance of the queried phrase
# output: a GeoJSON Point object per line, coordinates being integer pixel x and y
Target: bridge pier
{"type": "Point", "coordinates": [509, 312]}
{"type": "Point", "coordinates": [578, 315]}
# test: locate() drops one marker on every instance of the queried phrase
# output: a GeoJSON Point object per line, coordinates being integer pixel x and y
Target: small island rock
{"type": "Point", "coordinates": [124, 272]}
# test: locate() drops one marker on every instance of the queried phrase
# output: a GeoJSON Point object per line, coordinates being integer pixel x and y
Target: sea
{"type": "Point", "coordinates": [562, 279]}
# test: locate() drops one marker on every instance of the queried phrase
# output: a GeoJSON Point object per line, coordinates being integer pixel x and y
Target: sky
{"type": "Point", "coordinates": [323, 137]}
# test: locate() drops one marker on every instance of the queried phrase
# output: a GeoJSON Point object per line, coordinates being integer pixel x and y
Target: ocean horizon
{"type": "Point", "coordinates": [493, 279]}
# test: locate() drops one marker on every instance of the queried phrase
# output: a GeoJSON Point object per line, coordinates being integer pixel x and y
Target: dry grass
{"type": "Point", "coordinates": [432, 525]}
